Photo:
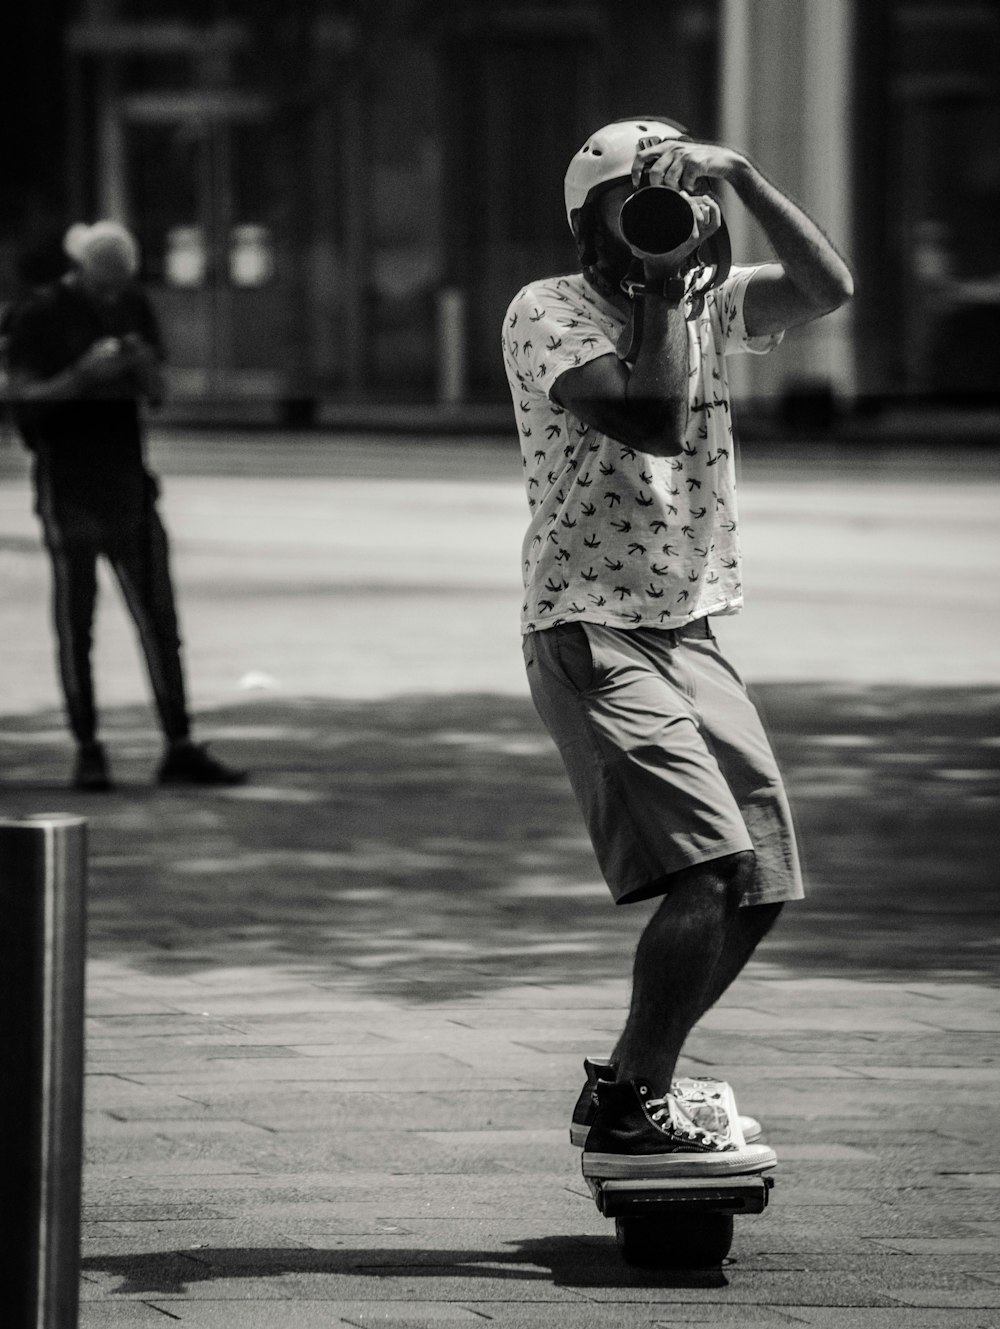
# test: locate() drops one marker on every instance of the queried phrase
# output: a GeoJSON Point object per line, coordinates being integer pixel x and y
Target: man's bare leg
{"type": "Point", "coordinates": [747, 930]}
{"type": "Point", "coordinates": [694, 946]}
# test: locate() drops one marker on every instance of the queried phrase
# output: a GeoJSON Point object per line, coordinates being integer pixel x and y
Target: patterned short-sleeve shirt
{"type": "Point", "coordinates": [617, 536]}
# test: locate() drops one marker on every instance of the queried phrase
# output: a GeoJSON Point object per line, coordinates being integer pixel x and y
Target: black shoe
{"type": "Point", "coordinates": [90, 770]}
{"type": "Point", "coordinates": [596, 1069]}
{"type": "Point", "coordinates": [688, 1090]}
{"type": "Point", "coordinates": [636, 1136]}
{"type": "Point", "coordinates": [192, 763]}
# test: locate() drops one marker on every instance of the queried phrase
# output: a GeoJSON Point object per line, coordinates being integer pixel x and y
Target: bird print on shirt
{"type": "Point", "coordinates": [618, 535]}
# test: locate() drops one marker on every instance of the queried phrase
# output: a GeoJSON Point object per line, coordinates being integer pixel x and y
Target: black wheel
{"type": "Point", "coordinates": [698, 1241]}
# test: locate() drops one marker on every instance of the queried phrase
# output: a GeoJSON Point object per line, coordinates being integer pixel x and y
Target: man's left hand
{"type": "Point", "coordinates": [683, 165]}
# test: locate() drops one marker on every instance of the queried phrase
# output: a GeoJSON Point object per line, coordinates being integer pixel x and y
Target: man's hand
{"type": "Point", "coordinates": [685, 166]}
{"type": "Point", "coordinates": [104, 361]}
{"type": "Point", "coordinates": [687, 174]}
{"type": "Point", "coordinates": [114, 358]}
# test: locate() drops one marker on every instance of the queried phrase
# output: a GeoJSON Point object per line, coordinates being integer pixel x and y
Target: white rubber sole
{"type": "Point", "coordinates": [727, 1163]}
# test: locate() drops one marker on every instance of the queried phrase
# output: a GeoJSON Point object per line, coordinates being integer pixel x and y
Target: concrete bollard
{"type": "Point", "coordinates": [452, 369]}
{"type": "Point", "coordinates": [42, 942]}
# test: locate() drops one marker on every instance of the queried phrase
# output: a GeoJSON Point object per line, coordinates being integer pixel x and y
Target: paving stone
{"type": "Point", "coordinates": [963, 1247]}
{"type": "Point", "coordinates": [252, 1289]}
{"type": "Point", "coordinates": [304, 1314]}
{"type": "Point", "coordinates": [836, 1317]}
{"type": "Point", "coordinates": [971, 1075]}
{"type": "Point", "coordinates": [845, 1019]}
{"type": "Point", "coordinates": [983, 1299]}
{"type": "Point", "coordinates": [419, 1286]}
{"type": "Point", "coordinates": [589, 1316]}
{"type": "Point", "coordinates": [119, 1315]}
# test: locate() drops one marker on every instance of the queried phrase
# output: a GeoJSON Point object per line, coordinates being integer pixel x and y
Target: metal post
{"type": "Point", "coordinates": [451, 367]}
{"type": "Point", "coordinates": [735, 129]}
{"type": "Point", "coordinates": [828, 187]}
{"type": "Point", "coordinates": [42, 936]}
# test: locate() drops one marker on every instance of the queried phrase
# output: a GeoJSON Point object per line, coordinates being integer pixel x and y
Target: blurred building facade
{"type": "Point", "coordinates": [336, 200]}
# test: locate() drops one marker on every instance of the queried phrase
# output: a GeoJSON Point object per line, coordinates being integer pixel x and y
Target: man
{"type": "Point", "coordinates": [631, 554]}
{"type": "Point", "coordinates": [82, 354]}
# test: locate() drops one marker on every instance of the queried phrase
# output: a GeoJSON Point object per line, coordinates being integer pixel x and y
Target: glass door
{"type": "Point", "coordinates": [200, 198]}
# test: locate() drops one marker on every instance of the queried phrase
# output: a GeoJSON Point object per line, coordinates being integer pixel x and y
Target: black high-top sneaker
{"type": "Point", "coordinates": [600, 1068]}
{"type": "Point", "coordinates": [638, 1136]}
{"type": "Point", "coordinates": [596, 1069]}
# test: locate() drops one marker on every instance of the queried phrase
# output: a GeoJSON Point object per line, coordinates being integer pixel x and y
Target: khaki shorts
{"type": "Point", "coordinates": [666, 754]}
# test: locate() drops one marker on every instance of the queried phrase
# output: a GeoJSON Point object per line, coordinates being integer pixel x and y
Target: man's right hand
{"type": "Point", "coordinates": [707, 220]}
{"type": "Point", "coordinates": [104, 361]}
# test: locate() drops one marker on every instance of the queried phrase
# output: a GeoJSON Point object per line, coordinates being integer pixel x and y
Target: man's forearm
{"type": "Point", "coordinates": [61, 387]}
{"type": "Point", "coordinates": [658, 384]}
{"type": "Point", "coordinates": [810, 261]}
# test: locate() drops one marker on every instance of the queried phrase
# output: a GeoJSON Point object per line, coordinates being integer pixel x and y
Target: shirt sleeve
{"type": "Point", "coordinates": [544, 337]}
{"type": "Point", "coordinates": [729, 305]}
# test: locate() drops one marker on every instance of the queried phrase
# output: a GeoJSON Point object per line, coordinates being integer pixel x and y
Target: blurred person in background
{"type": "Point", "coordinates": [83, 353]}
{"type": "Point", "coordinates": [619, 385]}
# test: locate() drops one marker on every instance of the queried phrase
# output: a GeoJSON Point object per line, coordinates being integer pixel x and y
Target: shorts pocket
{"type": "Point", "coordinates": [576, 659]}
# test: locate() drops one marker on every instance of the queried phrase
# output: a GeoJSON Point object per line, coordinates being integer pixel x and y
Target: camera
{"type": "Point", "coordinates": [656, 219]}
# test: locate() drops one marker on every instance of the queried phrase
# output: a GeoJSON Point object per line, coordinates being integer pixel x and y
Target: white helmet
{"type": "Point", "coordinates": [606, 157]}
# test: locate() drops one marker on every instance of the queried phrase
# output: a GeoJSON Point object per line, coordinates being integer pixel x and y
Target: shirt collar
{"type": "Point", "coordinates": [605, 306]}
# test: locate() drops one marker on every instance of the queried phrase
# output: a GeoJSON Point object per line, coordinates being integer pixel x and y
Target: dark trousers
{"type": "Point", "coordinates": [138, 554]}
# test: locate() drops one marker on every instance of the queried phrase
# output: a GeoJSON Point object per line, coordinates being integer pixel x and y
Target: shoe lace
{"type": "Point", "coordinates": [660, 1109]}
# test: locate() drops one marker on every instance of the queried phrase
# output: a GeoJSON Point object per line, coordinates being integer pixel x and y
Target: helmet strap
{"type": "Point", "coordinates": [606, 261]}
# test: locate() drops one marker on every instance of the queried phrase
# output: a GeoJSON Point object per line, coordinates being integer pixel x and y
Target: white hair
{"type": "Point", "coordinates": [94, 247]}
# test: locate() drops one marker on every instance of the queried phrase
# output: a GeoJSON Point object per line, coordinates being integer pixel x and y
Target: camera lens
{"type": "Point", "coordinates": [656, 219]}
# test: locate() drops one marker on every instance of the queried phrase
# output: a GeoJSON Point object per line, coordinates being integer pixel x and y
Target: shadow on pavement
{"type": "Point", "coordinates": [565, 1261]}
{"type": "Point", "coordinates": [429, 848]}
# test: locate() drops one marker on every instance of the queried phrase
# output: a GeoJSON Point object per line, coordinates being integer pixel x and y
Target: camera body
{"type": "Point", "coordinates": [656, 219]}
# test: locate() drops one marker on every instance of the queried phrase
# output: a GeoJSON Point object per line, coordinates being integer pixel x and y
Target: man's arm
{"type": "Point", "coordinates": [66, 386]}
{"type": "Point", "coordinates": [102, 363]}
{"type": "Point", "coordinates": [809, 279]}
{"type": "Point", "coordinates": [645, 406]}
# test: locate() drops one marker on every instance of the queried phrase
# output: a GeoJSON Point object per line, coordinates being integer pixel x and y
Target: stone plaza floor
{"type": "Point", "coordinates": [336, 1018]}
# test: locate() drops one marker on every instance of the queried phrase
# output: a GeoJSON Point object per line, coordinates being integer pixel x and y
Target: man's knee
{"type": "Point", "coordinates": [726, 878]}
{"type": "Point", "coordinates": [737, 872]}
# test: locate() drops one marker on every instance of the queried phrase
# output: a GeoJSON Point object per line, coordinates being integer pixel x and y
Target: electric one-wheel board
{"type": "Point", "coordinates": [680, 1223]}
